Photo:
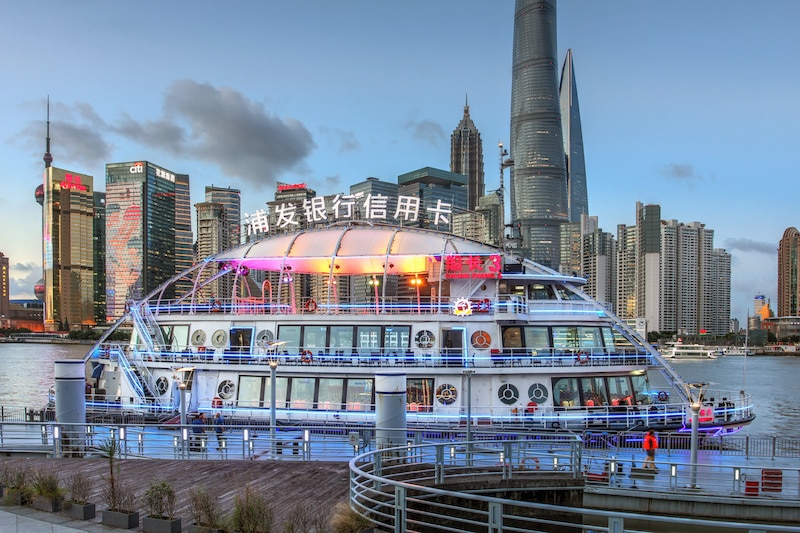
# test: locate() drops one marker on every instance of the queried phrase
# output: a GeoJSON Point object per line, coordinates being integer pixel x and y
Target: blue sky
{"type": "Point", "coordinates": [689, 104]}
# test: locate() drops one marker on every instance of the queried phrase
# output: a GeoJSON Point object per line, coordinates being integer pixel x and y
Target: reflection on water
{"type": "Point", "coordinates": [29, 371]}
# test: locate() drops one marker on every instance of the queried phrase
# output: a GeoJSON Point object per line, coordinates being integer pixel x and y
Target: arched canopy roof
{"type": "Point", "coordinates": [353, 249]}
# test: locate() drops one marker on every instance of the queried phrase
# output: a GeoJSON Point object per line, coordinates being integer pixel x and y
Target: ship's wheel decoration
{"type": "Point", "coordinates": [537, 393]}
{"type": "Point", "coordinates": [226, 389]}
{"type": "Point", "coordinates": [446, 394]}
{"type": "Point", "coordinates": [162, 386]}
{"type": "Point", "coordinates": [508, 394]}
{"type": "Point", "coordinates": [425, 339]}
{"type": "Point", "coordinates": [462, 307]}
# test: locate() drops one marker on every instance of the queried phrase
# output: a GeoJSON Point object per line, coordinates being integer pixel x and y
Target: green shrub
{"type": "Point", "coordinates": [346, 520]}
{"type": "Point", "coordinates": [47, 484]}
{"type": "Point", "coordinates": [159, 500]}
{"type": "Point", "coordinates": [251, 513]}
{"type": "Point", "coordinates": [205, 508]}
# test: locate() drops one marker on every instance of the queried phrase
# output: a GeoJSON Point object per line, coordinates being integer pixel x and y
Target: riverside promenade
{"type": "Point", "coordinates": [293, 490]}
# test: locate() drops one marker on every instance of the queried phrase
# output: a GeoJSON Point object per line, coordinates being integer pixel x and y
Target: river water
{"type": "Point", "coordinates": [26, 374]}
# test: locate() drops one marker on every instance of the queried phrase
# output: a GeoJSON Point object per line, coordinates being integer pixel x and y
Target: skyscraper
{"type": "Point", "coordinates": [231, 200]}
{"type": "Point", "coordinates": [68, 250]}
{"type": "Point", "coordinates": [538, 178]}
{"type": "Point", "coordinates": [466, 157]}
{"type": "Point", "coordinates": [577, 196]}
{"type": "Point", "coordinates": [140, 231]}
{"type": "Point", "coordinates": [789, 273]}
{"type": "Point", "coordinates": [213, 238]}
{"type": "Point", "coordinates": [184, 237]}
{"type": "Point", "coordinates": [5, 289]}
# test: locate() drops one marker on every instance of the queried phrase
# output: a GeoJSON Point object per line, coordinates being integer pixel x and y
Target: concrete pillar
{"type": "Point", "coordinates": [70, 375]}
{"type": "Point", "coordinates": [390, 409]}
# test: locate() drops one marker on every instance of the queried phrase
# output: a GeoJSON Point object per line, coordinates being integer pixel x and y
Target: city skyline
{"type": "Point", "coordinates": [695, 124]}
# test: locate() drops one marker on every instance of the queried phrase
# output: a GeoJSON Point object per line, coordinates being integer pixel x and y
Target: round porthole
{"type": "Point", "coordinates": [481, 339]}
{"type": "Point", "coordinates": [538, 393]}
{"type": "Point", "coordinates": [199, 337]}
{"type": "Point", "coordinates": [220, 338]}
{"type": "Point", "coordinates": [508, 394]}
{"type": "Point", "coordinates": [226, 389]}
{"type": "Point", "coordinates": [446, 394]}
{"type": "Point", "coordinates": [425, 339]}
{"type": "Point", "coordinates": [264, 337]}
{"type": "Point", "coordinates": [162, 386]}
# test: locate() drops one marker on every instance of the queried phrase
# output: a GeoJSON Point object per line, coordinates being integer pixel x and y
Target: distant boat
{"type": "Point", "coordinates": [737, 350]}
{"type": "Point", "coordinates": [689, 351]}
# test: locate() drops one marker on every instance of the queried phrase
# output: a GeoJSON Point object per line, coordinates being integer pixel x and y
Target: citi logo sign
{"type": "Point", "coordinates": [73, 182]}
{"type": "Point", "coordinates": [137, 168]}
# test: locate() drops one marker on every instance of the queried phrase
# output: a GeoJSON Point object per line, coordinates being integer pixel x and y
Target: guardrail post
{"type": "Point", "coordinates": [400, 514]}
{"type": "Point", "coordinates": [495, 517]}
{"type": "Point", "coordinates": [616, 524]}
{"type": "Point", "coordinates": [737, 481]}
{"type": "Point", "coordinates": [56, 441]}
{"type": "Point", "coordinates": [439, 470]}
{"type": "Point", "coordinates": [377, 471]}
{"type": "Point", "coordinates": [507, 461]}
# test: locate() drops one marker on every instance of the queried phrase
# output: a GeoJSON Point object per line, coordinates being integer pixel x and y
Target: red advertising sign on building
{"type": "Point", "coordinates": [473, 266]}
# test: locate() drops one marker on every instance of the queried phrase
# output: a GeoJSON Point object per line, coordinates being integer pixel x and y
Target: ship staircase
{"type": "Point", "coordinates": [150, 340]}
{"type": "Point", "coordinates": [655, 359]}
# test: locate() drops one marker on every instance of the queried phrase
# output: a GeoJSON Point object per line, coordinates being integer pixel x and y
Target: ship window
{"type": "Point", "coordinates": [594, 392]}
{"type": "Point", "coordinates": [359, 395]}
{"type": "Point", "coordinates": [396, 337]}
{"type": "Point", "coordinates": [330, 393]}
{"type": "Point", "coordinates": [419, 394]}
{"type": "Point", "coordinates": [281, 387]}
{"type": "Point", "coordinates": [291, 336]}
{"type": "Point", "coordinates": [369, 339]}
{"type": "Point", "coordinates": [537, 339]}
{"type": "Point", "coordinates": [512, 337]}
{"type": "Point", "coordinates": [314, 337]}
{"type": "Point", "coordinates": [541, 292]}
{"type": "Point", "coordinates": [567, 294]}
{"type": "Point", "coordinates": [250, 391]}
{"type": "Point", "coordinates": [608, 339]}
{"type": "Point", "coordinates": [619, 388]}
{"type": "Point", "coordinates": [302, 393]}
{"type": "Point", "coordinates": [566, 391]}
{"type": "Point", "coordinates": [342, 337]}
{"type": "Point", "coordinates": [241, 339]}
{"type": "Point", "coordinates": [641, 390]}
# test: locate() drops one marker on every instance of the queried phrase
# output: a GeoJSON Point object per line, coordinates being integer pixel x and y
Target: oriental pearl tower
{"type": "Point", "coordinates": [38, 289]}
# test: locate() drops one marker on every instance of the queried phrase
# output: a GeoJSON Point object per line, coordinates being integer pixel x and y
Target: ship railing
{"type": "Point", "coordinates": [500, 307]}
{"type": "Point", "coordinates": [400, 356]}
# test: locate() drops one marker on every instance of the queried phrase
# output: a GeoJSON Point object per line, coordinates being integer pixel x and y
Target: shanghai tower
{"type": "Point", "coordinates": [538, 179]}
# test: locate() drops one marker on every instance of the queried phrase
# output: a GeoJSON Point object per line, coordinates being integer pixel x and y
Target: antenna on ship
{"type": "Point", "coordinates": [746, 339]}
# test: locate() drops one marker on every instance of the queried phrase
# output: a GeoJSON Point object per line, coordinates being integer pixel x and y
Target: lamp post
{"type": "Point", "coordinates": [469, 373]}
{"type": "Point", "coordinates": [182, 389]}
{"type": "Point", "coordinates": [694, 391]}
{"type": "Point", "coordinates": [375, 282]}
{"type": "Point", "coordinates": [273, 367]}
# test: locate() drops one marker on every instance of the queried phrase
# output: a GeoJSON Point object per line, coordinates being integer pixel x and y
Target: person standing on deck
{"type": "Point", "coordinates": [649, 445]}
{"type": "Point", "coordinates": [219, 428]}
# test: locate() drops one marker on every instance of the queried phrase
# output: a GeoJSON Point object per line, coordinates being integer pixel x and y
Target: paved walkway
{"type": "Point", "coordinates": [16, 519]}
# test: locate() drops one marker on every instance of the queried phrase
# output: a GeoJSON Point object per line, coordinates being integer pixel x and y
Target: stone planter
{"type": "Point", "coordinates": [45, 503]}
{"type": "Point", "coordinates": [161, 525]}
{"type": "Point", "coordinates": [121, 520]}
{"type": "Point", "coordinates": [194, 528]}
{"type": "Point", "coordinates": [80, 511]}
{"type": "Point", "coordinates": [14, 497]}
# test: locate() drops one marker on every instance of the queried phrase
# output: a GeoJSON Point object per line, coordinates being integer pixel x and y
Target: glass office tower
{"type": "Point", "coordinates": [538, 178]}
{"type": "Point", "coordinates": [140, 232]}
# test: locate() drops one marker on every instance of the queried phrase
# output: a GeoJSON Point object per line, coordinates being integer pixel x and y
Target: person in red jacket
{"type": "Point", "coordinates": [650, 444]}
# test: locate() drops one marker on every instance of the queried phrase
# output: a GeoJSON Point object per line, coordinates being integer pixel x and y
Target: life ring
{"type": "Point", "coordinates": [531, 408]}
{"type": "Point", "coordinates": [582, 358]}
{"type": "Point", "coordinates": [663, 396]}
{"type": "Point", "coordinates": [306, 356]}
{"type": "Point", "coordinates": [535, 460]}
{"type": "Point", "coordinates": [311, 306]}
{"type": "Point", "coordinates": [216, 402]}
{"type": "Point", "coordinates": [481, 339]}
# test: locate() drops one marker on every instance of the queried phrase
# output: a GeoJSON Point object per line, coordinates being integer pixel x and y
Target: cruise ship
{"type": "Point", "coordinates": [311, 318]}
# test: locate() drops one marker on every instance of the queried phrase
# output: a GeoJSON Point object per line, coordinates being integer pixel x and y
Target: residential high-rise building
{"type": "Point", "coordinates": [5, 289]}
{"type": "Point", "coordinates": [212, 238]}
{"type": "Point", "coordinates": [538, 178]}
{"type": "Point", "coordinates": [669, 275]}
{"type": "Point", "coordinates": [598, 266]}
{"type": "Point", "coordinates": [577, 195]}
{"type": "Point", "coordinates": [231, 200]}
{"type": "Point", "coordinates": [789, 273]}
{"type": "Point", "coordinates": [68, 215]}
{"type": "Point", "coordinates": [466, 157]}
{"type": "Point", "coordinates": [140, 231]}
